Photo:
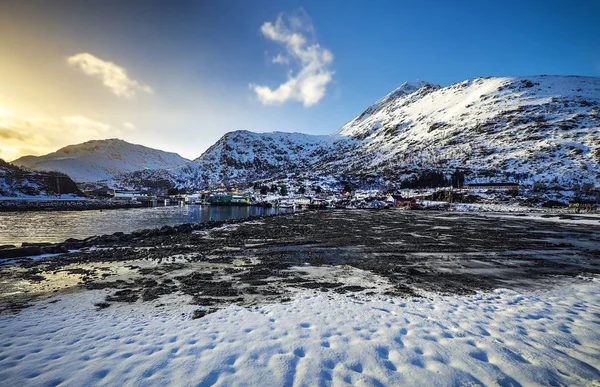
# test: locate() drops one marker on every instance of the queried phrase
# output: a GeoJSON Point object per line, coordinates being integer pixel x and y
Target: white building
{"type": "Point", "coordinates": [130, 195]}
{"type": "Point", "coordinates": [302, 200]}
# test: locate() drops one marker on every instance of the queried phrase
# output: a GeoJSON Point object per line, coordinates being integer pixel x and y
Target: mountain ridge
{"type": "Point", "coordinates": [528, 129]}
{"type": "Point", "coordinates": [96, 160]}
{"type": "Point", "coordinates": [533, 129]}
{"type": "Point", "coordinates": [540, 128]}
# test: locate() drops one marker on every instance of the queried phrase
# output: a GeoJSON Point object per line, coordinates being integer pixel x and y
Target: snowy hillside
{"type": "Point", "coordinates": [101, 159]}
{"type": "Point", "coordinates": [529, 129]}
{"type": "Point", "coordinates": [543, 128]}
{"type": "Point", "coordinates": [243, 156]}
{"type": "Point", "coordinates": [17, 182]}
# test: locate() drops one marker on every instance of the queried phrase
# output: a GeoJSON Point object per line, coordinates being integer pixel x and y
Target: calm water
{"type": "Point", "coordinates": [56, 226]}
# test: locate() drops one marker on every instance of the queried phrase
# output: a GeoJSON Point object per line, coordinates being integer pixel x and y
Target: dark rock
{"type": "Point", "coordinates": [109, 238]}
{"type": "Point", "coordinates": [152, 293]}
{"type": "Point", "coordinates": [90, 240]}
{"type": "Point", "coordinates": [166, 230]}
{"type": "Point", "coordinates": [54, 249]}
{"type": "Point", "coordinates": [199, 313]}
{"type": "Point", "coordinates": [349, 288]}
{"type": "Point", "coordinates": [72, 245]}
{"type": "Point", "coordinates": [151, 233]}
{"type": "Point", "coordinates": [126, 295]}
{"type": "Point", "coordinates": [185, 228]}
{"type": "Point", "coordinates": [102, 305]}
{"type": "Point", "coordinates": [16, 252]}
{"type": "Point", "coordinates": [28, 244]}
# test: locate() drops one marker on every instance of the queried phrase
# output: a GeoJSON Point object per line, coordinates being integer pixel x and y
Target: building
{"type": "Point", "coordinates": [219, 198]}
{"type": "Point", "coordinates": [130, 195]}
{"type": "Point", "coordinates": [302, 201]}
{"type": "Point", "coordinates": [99, 193]}
{"type": "Point", "coordinates": [493, 186]}
{"type": "Point", "coordinates": [239, 199]}
{"type": "Point", "coordinates": [398, 201]}
{"type": "Point", "coordinates": [195, 198]}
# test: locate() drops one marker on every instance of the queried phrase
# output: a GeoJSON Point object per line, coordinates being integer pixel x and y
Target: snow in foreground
{"type": "Point", "coordinates": [503, 338]}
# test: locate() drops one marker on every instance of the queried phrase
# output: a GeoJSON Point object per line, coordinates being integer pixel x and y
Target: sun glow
{"type": "Point", "coordinates": [4, 112]}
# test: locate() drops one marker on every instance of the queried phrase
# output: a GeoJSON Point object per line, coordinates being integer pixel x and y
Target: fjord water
{"type": "Point", "coordinates": [56, 226]}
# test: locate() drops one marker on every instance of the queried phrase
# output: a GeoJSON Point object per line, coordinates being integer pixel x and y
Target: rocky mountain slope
{"type": "Point", "coordinates": [17, 182]}
{"type": "Point", "coordinates": [101, 159]}
{"type": "Point", "coordinates": [243, 156]}
{"type": "Point", "coordinates": [543, 129]}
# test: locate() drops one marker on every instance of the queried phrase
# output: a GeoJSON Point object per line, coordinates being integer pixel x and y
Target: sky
{"type": "Point", "coordinates": [178, 75]}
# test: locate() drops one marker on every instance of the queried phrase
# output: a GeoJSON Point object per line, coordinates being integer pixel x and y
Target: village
{"type": "Point", "coordinates": [317, 197]}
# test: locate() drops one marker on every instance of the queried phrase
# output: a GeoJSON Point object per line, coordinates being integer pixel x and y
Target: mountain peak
{"type": "Point", "coordinates": [96, 160]}
{"type": "Point", "coordinates": [407, 87]}
{"type": "Point", "coordinates": [411, 86]}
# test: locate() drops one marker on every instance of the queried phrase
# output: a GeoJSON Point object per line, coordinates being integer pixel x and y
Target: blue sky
{"type": "Point", "coordinates": [193, 67]}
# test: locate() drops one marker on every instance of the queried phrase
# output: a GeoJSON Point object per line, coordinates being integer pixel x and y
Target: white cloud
{"type": "Point", "coordinates": [128, 125]}
{"type": "Point", "coordinates": [112, 76]}
{"type": "Point", "coordinates": [308, 85]}
{"type": "Point", "coordinates": [280, 59]}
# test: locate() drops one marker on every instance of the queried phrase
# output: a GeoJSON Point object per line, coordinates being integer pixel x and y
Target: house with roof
{"type": "Point", "coordinates": [505, 186]}
{"type": "Point", "coordinates": [129, 195]}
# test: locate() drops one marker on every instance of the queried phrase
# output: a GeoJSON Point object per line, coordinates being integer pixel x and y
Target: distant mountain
{"type": "Point", "coordinates": [101, 159]}
{"type": "Point", "coordinates": [542, 129]}
{"type": "Point", "coordinates": [243, 156]}
{"type": "Point", "coordinates": [17, 182]}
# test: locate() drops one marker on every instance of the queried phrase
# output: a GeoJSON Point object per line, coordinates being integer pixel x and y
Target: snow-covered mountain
{"type": "Point", "coordinates": [529, 129]}
{"type": "Point", "coordinates": [542, 128]}
{"type": "Point", "coordinates": [243, 156]}
{"type": "Point", "coordinates": [17, 182]}
{"type": "Point", "coordinates": [101, 159]}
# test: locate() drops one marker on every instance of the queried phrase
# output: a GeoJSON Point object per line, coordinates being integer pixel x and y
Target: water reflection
{"type": "Point", "coordinates": [45, 226]}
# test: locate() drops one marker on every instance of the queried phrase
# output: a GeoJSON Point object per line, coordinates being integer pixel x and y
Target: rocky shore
{"type": "Point", "coordinates": [35, 249]}
{"type": "Point", "coordinates": [64, 205]}
{"type": "Point", "coordinates": [269, 259]}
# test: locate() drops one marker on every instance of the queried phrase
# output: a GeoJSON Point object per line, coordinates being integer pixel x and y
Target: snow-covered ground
{"type": "Point", "coordinates": [548, 337]}
{"type": "Point", "coordinates": [508, 208]}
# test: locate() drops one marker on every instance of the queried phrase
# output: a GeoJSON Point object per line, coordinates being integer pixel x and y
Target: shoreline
{"type": "Point", "coordinates": [24, 205]}
{"type": "Point", "coordinates": [35, 249]}
{"type": "Point", "coordinates": [269, 258]}
{"type": "Point", "coordinates": [29, 250]}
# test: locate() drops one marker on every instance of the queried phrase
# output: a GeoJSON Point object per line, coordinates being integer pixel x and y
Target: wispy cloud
{"type": "Point", "coordinates": [280, 59]}
{"type": "Point", "coordinates": [112, 76]}
{"type": "Point", "coordinates": [308, 84]}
